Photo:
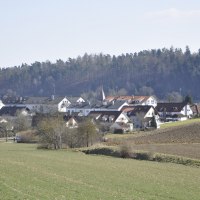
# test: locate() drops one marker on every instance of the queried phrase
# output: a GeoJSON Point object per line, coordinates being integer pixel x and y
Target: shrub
{"type": "Point", "coordinates": [118, 131]}
{"type": "Point", "coordinates": [143, 156]}
{"type": "Point", "coordinates": [102, 151]}
{"type": "Point", "coordinates": [176, 159]}
{"type": "Point", "coordinates": [26, 137]}
{"type": "Point", "coordinates": [125, 151]}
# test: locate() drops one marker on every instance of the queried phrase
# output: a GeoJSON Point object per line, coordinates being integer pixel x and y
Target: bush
{"type": "Point", "coordinates": [118, 131]}
{"type": "Point", "coordinates": [125, 151]}
{"type": "Point", "coordinates": [102, 151]}
{"type": "Point", "coordinates": [26, 137]}
{"type": "Point", "coordinates": [143, 156]}
{"type": "Point", "coordinates": [176, 159]}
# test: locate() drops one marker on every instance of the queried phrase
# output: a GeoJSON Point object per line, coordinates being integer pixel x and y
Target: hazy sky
{"type": "Point", "coordinates": [40, 30]}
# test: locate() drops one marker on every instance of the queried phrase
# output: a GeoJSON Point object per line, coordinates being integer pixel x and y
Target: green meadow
{"type": "Point", "coordinates": [28, 173]}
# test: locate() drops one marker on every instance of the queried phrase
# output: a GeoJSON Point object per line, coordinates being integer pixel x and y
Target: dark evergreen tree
{"type": "Point", "coordinates": [158, 72]}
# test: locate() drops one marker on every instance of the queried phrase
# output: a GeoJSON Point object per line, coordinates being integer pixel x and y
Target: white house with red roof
{"type": "Point", "coordinates": [135, 100]}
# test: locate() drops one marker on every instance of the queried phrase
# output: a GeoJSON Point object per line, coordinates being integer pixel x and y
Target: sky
{"type": "Point", "coordinates": [41, 30]}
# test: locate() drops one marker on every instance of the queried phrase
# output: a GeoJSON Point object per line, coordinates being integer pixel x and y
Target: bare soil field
{"type": "Point", "coordinates": [181, 140]}
{"type": "Point", "coordinates": [185, 150]}
{"type": "Point", "coordinates": [180, 134]}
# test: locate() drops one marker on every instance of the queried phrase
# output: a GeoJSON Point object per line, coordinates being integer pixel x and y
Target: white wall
{"type": "Point", "coordinates": [1, 104]}
{"type": "Point", "coordinates": [151, 101]}
{"type": "Point", "coordinates": [122, 118]}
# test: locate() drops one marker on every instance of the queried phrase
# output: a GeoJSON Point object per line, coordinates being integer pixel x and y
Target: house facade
{"type": "Point", "coordinates": [114, 120]}
{"type": "Point", "coordinates": [143, 116]}
{"type": "Point", "coordinates": [174, 111]}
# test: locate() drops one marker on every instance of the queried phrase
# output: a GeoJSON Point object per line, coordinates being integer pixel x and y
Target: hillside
{"type": "Point", "coordinates": [179, 134]}
{"type": "Point", "coordinates": [182, 139]}
{"type": "Point", "coordinates": [159, 72]}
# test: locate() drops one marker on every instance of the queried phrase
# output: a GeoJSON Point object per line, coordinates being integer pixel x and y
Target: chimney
{"type": "Point", "coordinates": [52, 97]}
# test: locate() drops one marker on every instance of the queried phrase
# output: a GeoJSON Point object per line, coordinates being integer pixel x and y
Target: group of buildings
{"type": "Point", "coordinates": [114, 113]}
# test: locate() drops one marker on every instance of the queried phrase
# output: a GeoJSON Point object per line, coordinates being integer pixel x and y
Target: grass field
{"type": "Point", "coordinates": [28, 173]}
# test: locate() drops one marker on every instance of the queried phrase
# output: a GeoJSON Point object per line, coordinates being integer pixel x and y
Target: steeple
{"type": "Point", "coordinates": [103, 94]}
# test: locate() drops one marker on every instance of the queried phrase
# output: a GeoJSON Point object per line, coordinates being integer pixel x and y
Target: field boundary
{"type": "Point", "coordinates": [124, 152]}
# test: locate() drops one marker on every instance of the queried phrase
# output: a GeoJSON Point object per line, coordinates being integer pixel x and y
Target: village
{"type": "Point", "coordinates": [117, 114]}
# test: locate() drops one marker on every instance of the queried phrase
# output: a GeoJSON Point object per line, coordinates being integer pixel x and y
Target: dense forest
{"type": "Point", "coordinates": [157, 71]}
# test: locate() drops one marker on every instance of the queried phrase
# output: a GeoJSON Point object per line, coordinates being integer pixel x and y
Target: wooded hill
{"type": "Point", "coordinates": [158, 72]}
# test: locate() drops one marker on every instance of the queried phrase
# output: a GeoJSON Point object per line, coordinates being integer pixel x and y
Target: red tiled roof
{"type": "Point", "coordinates": [133, 98]}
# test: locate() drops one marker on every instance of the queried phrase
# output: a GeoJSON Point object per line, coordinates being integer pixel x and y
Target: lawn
{"type": "Point", "coordinates": [28, 173]}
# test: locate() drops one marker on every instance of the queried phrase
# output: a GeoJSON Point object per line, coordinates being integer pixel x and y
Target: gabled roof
{"type": "Point", "coordinates": [35, 100]}
{"type": "Point", "coordinates": [109, 106]}
{"type": "Point", "coordinates": [116, 104]}
{"type": "Point", "coordinates": [136, 109]}
{"type": "Point", "coordinates": [12, 110]}
{"type": "Point", "coordinates": [127, 108]}
{"type": "Point", "coordinates": [125, 98]}
{"type": "Point", "coordinates": [101, 114]}
{"type": "Point", "coordinates": [73, 100]}
{"type": "Point", "coordinates": [55, 100]}
{"type": "Point", "coordinates": [83, 105]}
{"type": "Point", "coordinates": [77, 118]}
{"type": "Point", "coordinates": [133, 99]}
{"type": "Point", "coordinates": [170, 107]}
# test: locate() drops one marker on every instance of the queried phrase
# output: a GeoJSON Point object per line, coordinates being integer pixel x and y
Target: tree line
{"type": "Point", "coordinates": [157, 71]}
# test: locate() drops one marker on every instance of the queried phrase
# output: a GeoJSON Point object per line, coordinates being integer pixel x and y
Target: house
{"type": "Point", "coordinates": [114, 120]}
{"type": "Point", "coordinates": [44, 104]}
{"type": "Point", "coordinates": [109, 116]}
{"type": "Point", "coordinates": [85, 108]}
{"type": "Point", "coordinates": [195, 109]}
{"type": "Point", "coordinates": [14, 110]}
{"type": "Point", "coordinates": [142, 116]}
{"type": "Point", "coordinates": [47, 104]}
{"type": "Point", "coordinates": [82, 109]}
{"type": "Point", "coordinates": [35, 104]}
{"type": "Point", "coordinates": [174, 111]}
{"type": "Point", "coordinates": [3, 120]}
{"type": "Point", "coordinates": [135, 100]}
{"type": "Point", "coordinates": [75, 100]}
{"type": "Point", "coordinates": [10, 113]}
{"type": "Point", "coordinates": [121, 127]}
{"type": "Point", "coordinates": [72, 121]}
